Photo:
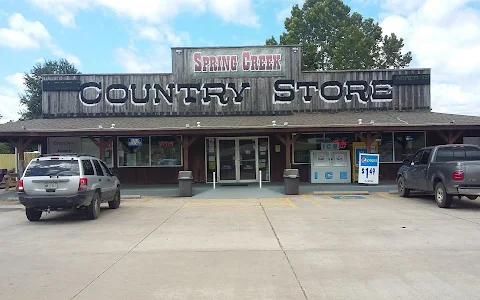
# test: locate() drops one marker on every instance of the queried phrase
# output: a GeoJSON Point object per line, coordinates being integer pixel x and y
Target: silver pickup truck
{"type": "Point", "coordinates": [447, 170]}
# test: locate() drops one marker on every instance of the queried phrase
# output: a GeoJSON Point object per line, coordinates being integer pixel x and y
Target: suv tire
{"type": "Point", "coordinates": [115, 203]}
{"type": "Point", "coordinates": [443, 199]}
{"type": "Point", "coordinates": [33, 215]}
{"type": "Point", "coordinates": [402, 190]}
{"type": "Point", "coordinates": [93, 210]}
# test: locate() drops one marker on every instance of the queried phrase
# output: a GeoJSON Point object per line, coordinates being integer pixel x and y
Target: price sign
{"type": "Point", "coordinates": [368, 168]}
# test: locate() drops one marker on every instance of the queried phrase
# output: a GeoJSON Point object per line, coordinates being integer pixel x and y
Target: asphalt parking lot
{"type": "Point", "coordinates": [378, 246]}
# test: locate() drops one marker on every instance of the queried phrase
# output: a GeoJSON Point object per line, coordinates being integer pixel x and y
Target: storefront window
{"type": "Point", "coordinates": [407, 144]}
{"type": "Point", "coordinates": [134, 151]}
{"type": "Point", "coordinates": [385, 147]}
{"type": "Point", "coordinates": [344, 140]}
{"type": "Point", "coordinates": [303, 144]}
{"type": "Point", "coordinates": [263, 160]}
{"type": "Point", "coordinates": [166, 151]}
{"type": "Point", "coordinates": [90, 148]}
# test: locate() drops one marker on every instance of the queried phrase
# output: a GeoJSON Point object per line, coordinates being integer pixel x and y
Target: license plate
{"type": "Point", "coordinates": [50, 186]}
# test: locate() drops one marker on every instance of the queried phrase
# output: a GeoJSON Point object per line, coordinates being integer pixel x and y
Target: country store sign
{"type": "Point", "coordinates": [284, 91]}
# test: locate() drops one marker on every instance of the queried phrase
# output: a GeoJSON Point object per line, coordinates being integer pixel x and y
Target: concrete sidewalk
{"type": "Point", "coordinates": [298, 247]}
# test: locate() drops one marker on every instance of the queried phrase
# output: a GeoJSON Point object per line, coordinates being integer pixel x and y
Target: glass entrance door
{"type": "Point", "coordinates": [237, 159]}
{"type": "Point", "coordinates": [227, 160]}
{"type": "Point", "coordinates": [247, 159]}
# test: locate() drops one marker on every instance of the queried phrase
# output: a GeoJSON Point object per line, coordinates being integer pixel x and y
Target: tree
{"type": "Point", "coordinates": [32, 98]}
{"type": "Point", "coordinates": [332, 38]}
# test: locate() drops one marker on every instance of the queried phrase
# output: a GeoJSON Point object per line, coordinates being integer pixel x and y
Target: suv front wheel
{"type": "Point", "coordinates": [115, 203]}
{"type": "Point", "coordinates": [32, 214]}
{"type": "Point", "coordinates": [93, 210]}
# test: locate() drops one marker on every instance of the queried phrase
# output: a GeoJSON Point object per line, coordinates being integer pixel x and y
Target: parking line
{"type": "Point", "coordinates": [309, 199]}
{"type": "Point", "coordinates": [290, 202]}
{"type": "Point", "coordinates": [386, 197]}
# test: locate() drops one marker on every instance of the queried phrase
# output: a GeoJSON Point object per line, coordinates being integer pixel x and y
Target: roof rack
{"type": "Point", "coordinates": [64, 154]}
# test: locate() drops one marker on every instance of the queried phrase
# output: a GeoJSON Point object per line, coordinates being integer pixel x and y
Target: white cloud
{"type": "Point", "coordinates": [24, 34]}
{"type": "Point", "coordinates": [443, 35]}
{"type": "Point", "coordinates": [285, 12]}
{"type": "Point", "coordinates": [9, 99]}
{"type": "Point", "coordinates": [163, 34]}
{"type": "Point", "coordinates": [158, 61]}
{"type": "Point", "coordinates": [155, 12]}
{"type": "Point", "coordinates": [16, 80]}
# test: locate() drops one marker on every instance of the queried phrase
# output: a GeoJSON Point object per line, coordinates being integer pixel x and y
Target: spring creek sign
{"type": "Point", "coordinates": [284, 92]}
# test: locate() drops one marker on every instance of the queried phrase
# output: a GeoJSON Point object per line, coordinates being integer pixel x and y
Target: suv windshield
{"type": "Point", "coordinates": [53, 168]}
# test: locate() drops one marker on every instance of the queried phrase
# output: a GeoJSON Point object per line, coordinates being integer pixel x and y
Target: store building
{"type": "Point", "coordinates": [236, 111]}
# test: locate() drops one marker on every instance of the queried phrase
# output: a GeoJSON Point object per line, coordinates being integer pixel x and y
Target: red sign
{"type": "Point", "coordinates": [341, 144]}
{"type": "Point", "coordinates": [166, 144]}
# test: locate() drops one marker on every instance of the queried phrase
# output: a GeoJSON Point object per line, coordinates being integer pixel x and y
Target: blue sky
{"type": "Point", "coordinates": [107, 36]}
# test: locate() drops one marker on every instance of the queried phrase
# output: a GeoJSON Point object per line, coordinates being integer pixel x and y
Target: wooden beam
{"type": "Point", "coordinates": [443, 136]}
{"type": "Point", "coordinates": [191, 140]}
{"type": "Point", "coordinates": [94, 141]}
{"type": "Point", "coordinates": [454, 137]}
{"type": "Point", "coordinates": [362, 138]}
{"type": "Point", "coordinates": [282, 140]}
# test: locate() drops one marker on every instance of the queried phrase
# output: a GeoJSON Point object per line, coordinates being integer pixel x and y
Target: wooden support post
{"type": "Point", "coordinates": [21, 144]}
{"type": "Point", "coordinates": [288, 152]}
{"type": "Point", "coordinates": [102, 148]}
{"type": "Point", "coordinates": [115, 152]}
{"type": "Point", "coordinates": [187, 142]}
{"type": "Point", "coordinates": [288, 142]}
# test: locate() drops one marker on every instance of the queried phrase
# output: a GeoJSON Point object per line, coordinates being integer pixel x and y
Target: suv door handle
{"type": "Point", "coordinates": [99, 179]}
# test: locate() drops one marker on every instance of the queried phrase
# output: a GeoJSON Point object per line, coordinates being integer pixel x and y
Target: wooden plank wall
{"type": "Point", "coordinates": [257, 100]}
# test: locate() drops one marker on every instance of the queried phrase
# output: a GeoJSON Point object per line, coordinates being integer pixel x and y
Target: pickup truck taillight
{"type": "Point", "coordinates": [82, 185]}
{"type": "Point", "coordinates": [20, 186]}
{"type": "Point", "coordinates": [458, 175]}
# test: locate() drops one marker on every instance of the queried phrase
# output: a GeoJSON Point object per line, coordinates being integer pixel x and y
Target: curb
{"type": "Point", "coordinates": [131, 197]}
{"type": "Point", "coordinates": [340, 193]}
{"type": "Point", "coordinates": [393, 192]}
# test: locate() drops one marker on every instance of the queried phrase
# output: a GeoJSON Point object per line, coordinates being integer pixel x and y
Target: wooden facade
{"type": "Point", "coordinates": [238, 93]}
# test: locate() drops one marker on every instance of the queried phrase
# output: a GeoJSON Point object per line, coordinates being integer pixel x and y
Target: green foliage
{"type": "Point", "coordinates": [333, 38]}
{"type": "Point", "coordinates": [5, 148]}
{"type": "Point", "coordinates": [32, 98]}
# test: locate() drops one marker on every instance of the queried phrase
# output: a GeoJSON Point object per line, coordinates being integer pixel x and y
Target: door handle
{"type": "Point", "coordinates": [99, 179]}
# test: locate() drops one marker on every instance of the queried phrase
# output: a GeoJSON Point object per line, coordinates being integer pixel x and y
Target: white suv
{"type": "Point", "coordinates": [67, 181]}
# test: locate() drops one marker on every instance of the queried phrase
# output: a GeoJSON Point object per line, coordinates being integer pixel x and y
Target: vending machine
{"type": "Point", "coordinates": [330, 166]}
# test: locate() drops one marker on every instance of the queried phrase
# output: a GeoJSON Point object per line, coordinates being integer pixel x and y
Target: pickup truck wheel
{"type": "Point", "coordinates": [115, 203]}
{"type": "Point", "coordinates": [443, 199]}
{"type": "Point", "coordinates": [402, 190]}
{"type": "Point", "coordinates": [93, 210]}
{"type": "Point", "coordinates": [33, 215]}
{"type": "Point", "coordinates": [472, 197]}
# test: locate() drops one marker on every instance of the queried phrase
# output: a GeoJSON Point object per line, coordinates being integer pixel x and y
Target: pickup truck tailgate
{"type": "Point", "coordinates": [472, 173]}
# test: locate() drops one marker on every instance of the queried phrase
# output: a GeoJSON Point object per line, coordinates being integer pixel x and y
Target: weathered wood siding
{"type": "Point", "coordinates": [258, 99]}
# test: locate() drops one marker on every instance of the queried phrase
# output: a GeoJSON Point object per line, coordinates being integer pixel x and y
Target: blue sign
{"type": "Point", "coordinates": [316, 175]}
{"type": "Point", "coordinates": [329, 175]}
{"type": "Point", "coordinates": [346, 197]}
{"type": "Point", "coordinates": [135, 142]}
{"type": "Point", "coordinates": [369, 160]}
{"type": "Point", "coordinates": [343, 175]}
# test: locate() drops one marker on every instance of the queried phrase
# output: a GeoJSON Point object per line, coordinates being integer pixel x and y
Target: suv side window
{"type": "Point", "coordinates": [426, 156]}
{"type": "Point", "coordinates": [106, 170]}
{"type": "Point", "coordinates": [87, 167]}
{"type": "Point", "coordinates": [98, 168]}
{"type": "Point", "coordinates": [417, 157]}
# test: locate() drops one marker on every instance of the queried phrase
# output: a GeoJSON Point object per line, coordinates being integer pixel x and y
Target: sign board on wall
{"type": "Point", "coordinates": [234, 61]}
{"type": "Point", "coordinates": [368, 168]}
{"type": "Point", "coordinates": [64, 145]}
